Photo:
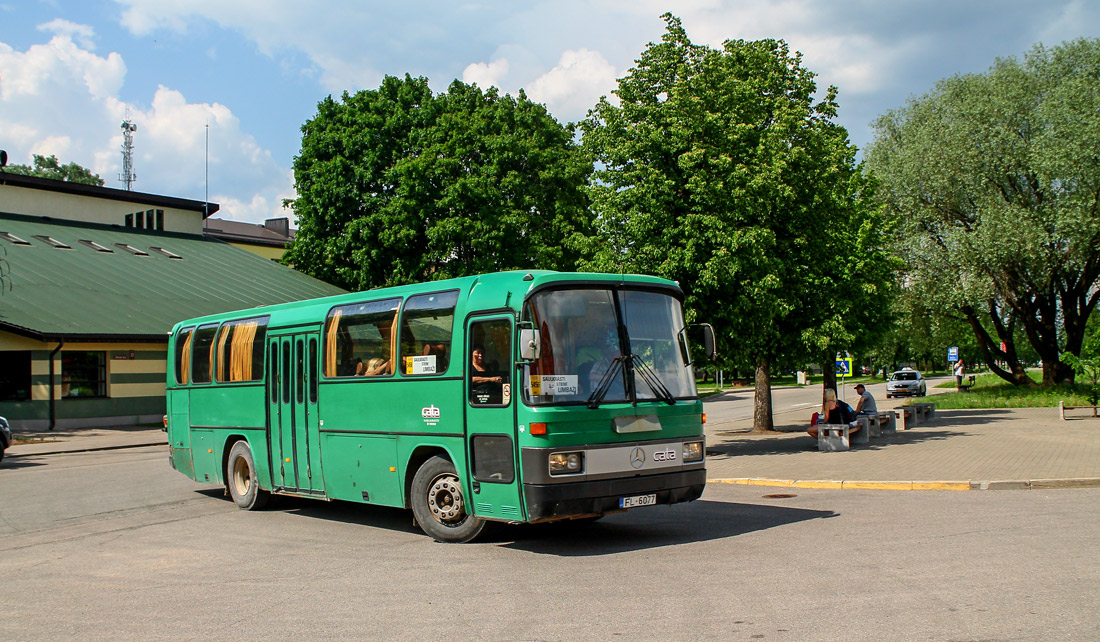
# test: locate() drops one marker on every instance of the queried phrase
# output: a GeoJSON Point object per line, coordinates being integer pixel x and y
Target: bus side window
{"type": "Point", "coordinates": [358, 339]}
{"type": "Point", "coordinates": [312, 370]}
{"type": "Point", "coordinates": [426, 325]}
{"type": "Point", "coordinates": [202, 353]}
{"type": "Point", "coordinates": [273, 381]}
{"type": "Point", "coordinates": [489, 364]}
{"type": "Point", "coordinates": [183, 355]}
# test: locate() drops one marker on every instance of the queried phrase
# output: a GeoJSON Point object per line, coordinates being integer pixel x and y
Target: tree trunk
{"type": "Point", "coordinates": [762, 403]}
{"type": "Point", "coordinates": [1016, 374]}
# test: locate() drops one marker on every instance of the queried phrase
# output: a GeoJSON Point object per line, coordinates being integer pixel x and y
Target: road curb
{"type": "Point", "coordinates": [90, 449]}
{"type": "Point", "coordinates": [1013, 484]}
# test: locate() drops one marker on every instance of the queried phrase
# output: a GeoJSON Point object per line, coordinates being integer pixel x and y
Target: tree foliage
{"type": "Point", "coordinates": [50, 167]}
{"type": "Point", "coordinates": [398, 185]}
{"type": "Point", "coordinates": [994, 183]}
{"type": "Point", "coordinates": [718, 169]}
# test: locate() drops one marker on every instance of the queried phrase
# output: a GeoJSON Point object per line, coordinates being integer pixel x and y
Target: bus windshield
{"type": "Point", "coordinates": [584, 359]}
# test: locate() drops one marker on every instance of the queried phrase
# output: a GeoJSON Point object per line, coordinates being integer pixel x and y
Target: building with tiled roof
{"type": "Point", "coordinates": [93, 279]}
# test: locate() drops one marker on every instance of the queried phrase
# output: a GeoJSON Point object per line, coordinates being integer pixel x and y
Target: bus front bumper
{"type": "Point", "coordinates": [557, 501]}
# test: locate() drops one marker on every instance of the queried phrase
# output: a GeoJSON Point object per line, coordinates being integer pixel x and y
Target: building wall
{"type": "Point", "coordinates": [266, 251]}
{"type": "Point", "coordinates": [135, 374]}
{"type": "Point", "coordinates": [73, 207]}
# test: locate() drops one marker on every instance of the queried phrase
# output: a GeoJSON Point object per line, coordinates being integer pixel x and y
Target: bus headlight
{"type": "Point", "coordinates": [566, 463]}
{"type": "Point", "coordinates": [693, 451]}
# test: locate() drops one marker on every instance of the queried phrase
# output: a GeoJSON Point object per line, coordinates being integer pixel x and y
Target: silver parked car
{"type": "Point", "coordinates": [5, 437]}
{"type": "Point", "coordinates": [907, 382]}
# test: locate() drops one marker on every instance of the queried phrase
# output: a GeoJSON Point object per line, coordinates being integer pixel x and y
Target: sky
{"type": "Point", "coordinates": [219, 89]}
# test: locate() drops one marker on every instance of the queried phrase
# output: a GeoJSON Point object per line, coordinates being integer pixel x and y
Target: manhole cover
{"type": "Point", "coordinates": [780, 496]}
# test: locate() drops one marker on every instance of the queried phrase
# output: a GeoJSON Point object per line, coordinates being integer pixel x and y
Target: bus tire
{"type": "Point", "coordinates": [438, 504]}
{"type": "Point", "coordinates": [240, 476]}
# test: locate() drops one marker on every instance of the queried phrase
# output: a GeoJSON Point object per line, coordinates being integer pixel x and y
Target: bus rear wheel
{"type": "Point", "coordinates": [241, 478]}
{"type": "Point", "coordinates": [438, 504]}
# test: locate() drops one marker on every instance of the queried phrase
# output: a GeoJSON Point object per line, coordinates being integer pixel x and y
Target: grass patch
{"type": "Point", "coordinates": [17, 439]}
{"type": "Point", "coordinates": [990, 391]}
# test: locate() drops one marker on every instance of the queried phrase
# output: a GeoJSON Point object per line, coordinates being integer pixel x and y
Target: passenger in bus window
{"type": "Point", "coordinates": [440, 352]}
{"type": "Point", "coordinates": [374, 367]}
{"type": "Point", "coordinates": [486, 383]}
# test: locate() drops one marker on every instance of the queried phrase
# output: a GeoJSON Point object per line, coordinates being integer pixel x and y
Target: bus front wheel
{"type": "Point", "coordinates": [241, 478]}
{"type": "Point", "coordinates": [438, 504]}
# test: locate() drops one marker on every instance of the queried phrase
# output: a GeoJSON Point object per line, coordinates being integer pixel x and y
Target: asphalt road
{"type": "Point", "coordinates": [115, 545]}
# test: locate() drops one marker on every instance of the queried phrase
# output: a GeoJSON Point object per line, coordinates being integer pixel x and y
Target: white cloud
{"type": "Point", "coordinates": [575, 84]}
{"type": "Point", "coordinates": [83, 34]}
{"type": "Point", "coordinates": [61, 98]}
{"type": "Point", "coordinates": [486, 74]}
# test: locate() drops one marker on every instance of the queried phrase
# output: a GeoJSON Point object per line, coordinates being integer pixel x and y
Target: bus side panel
{"type": "Point", "coordinates": [425, 412]}
{"type": "Point", "coordinates": [203, 452]}
{"type": "Point", "coordinates": [179, 431]}
{"type": "Point", "coordinates": [216, 412]}
{"type": "Point", "coordinates": [362, 468]}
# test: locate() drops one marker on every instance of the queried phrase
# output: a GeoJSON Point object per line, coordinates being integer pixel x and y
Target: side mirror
{"type": "Point", "coordinates": [709, 341]}
{"type": "Point", "coordinates": [530, 344]}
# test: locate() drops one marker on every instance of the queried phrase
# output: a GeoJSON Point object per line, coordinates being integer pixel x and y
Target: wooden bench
{"type": "Point", "coordinates": [1062, 408]}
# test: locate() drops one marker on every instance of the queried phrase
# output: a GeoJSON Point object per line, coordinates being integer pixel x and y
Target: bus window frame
{"type": "Point", "coordinates": [323, 347]}
{"type": "Point", "coordinates": [399, 369]}
{"type": "Point", "coordinates": [177, 353]}
{"type": "Point", "coordinates": [263, 322]}
{"type": "Point", "coordinates": [212, 349]}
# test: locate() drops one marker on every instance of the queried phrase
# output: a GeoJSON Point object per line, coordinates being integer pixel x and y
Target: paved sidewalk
{"type": "Point", "coordinates": [86, 439]}
{"type": "Point", "coordinates": [960, 449]}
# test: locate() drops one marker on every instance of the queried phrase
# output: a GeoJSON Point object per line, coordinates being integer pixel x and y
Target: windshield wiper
{"type": "Point", "coordinates": [602, 388]}
{"type": "Point", "coordinates": [652, 380]}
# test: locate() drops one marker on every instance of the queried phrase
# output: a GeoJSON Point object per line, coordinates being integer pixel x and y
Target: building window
{"type": "Point", "coordinates": [11, 238]}
{"type": "Point", "coordinates": [160, 220]}
{"type": "Point", "coordinates": [83, 374]}
{"type": "Point", "coordinates": [96, 246]}
{"type": "Point", "coordinates": [15, 375]}
{"type": "Point", "coordinates": [49, 240]}
{"type": "Point", "coordinates": [131, 249]}
{"type": "Point", "coordinates": [129, 220]}
{"type": "Point", "coordinates": [170, 254]}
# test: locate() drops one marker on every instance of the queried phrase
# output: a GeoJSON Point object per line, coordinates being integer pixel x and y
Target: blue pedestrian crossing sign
{"type": "Point", "coordinates": [953, 353]}
{"type": "Point", "coordinates": [844, 368]}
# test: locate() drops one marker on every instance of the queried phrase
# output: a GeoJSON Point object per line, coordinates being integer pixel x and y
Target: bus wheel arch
{"type": "Point", "coordinates": [438, 503]}
{"type": "Point", "coordinates": [241, 477]}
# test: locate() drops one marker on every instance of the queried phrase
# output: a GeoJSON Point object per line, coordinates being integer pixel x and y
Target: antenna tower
{"type": "Point", "coordinates": [128, 176]}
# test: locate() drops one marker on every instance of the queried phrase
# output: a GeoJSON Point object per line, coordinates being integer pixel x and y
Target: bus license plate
{"type": "Point", "coordinates": [640, 500]}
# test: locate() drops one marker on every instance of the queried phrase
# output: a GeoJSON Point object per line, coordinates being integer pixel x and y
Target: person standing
{"type": "Point", "coordinates": [959, 372]}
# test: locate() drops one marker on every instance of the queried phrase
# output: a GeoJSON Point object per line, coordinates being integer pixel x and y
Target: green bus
{"type": "Point", "coordinates": [513, 397]}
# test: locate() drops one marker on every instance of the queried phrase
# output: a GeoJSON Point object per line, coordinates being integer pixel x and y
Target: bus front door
{"type": "Point", "coordinates": [491, 419]}
{"type": "Point", "coordinates": [292, 399]}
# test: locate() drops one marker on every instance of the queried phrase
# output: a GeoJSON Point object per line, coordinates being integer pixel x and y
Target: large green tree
{"type": "Point", "coordinates": [397, 185]}
{"type": "Point", "coordinates": [994, 182]}
{"type": "Point", "coordinates": [718, 169]}
{"type": "Point", "coordinates": [50, 167]}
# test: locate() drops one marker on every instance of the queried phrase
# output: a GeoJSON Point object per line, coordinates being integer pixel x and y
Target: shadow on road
{"type": "Point", "coordinates": [638, 529]}
{"type": "Point", "coordinates": [654, 527]}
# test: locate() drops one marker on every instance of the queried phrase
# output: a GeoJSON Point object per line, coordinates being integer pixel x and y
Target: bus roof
{"type": "Point", "coordinates": [484, 291]}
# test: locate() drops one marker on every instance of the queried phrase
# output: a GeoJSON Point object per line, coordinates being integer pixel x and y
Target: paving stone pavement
{"type": "Point", "coordinates": [994, 448]}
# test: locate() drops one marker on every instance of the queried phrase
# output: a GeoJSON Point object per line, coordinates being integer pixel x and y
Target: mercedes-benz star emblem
{"type": "Point", "coordinates": [637, 458]}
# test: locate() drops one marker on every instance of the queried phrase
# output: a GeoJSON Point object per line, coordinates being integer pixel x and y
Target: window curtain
{"type": "Point", "coordinates": [330, 343]}
{"type": "Point", "coordinates": [240, 359]}
{"type": "Point", "coordinates": [185, 359]}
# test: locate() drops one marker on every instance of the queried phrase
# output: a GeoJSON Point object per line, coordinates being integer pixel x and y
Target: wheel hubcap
{"type": "Point", "coordinates": [445, 499]}
{"type": "Point", "coordinates": [242, 479]}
